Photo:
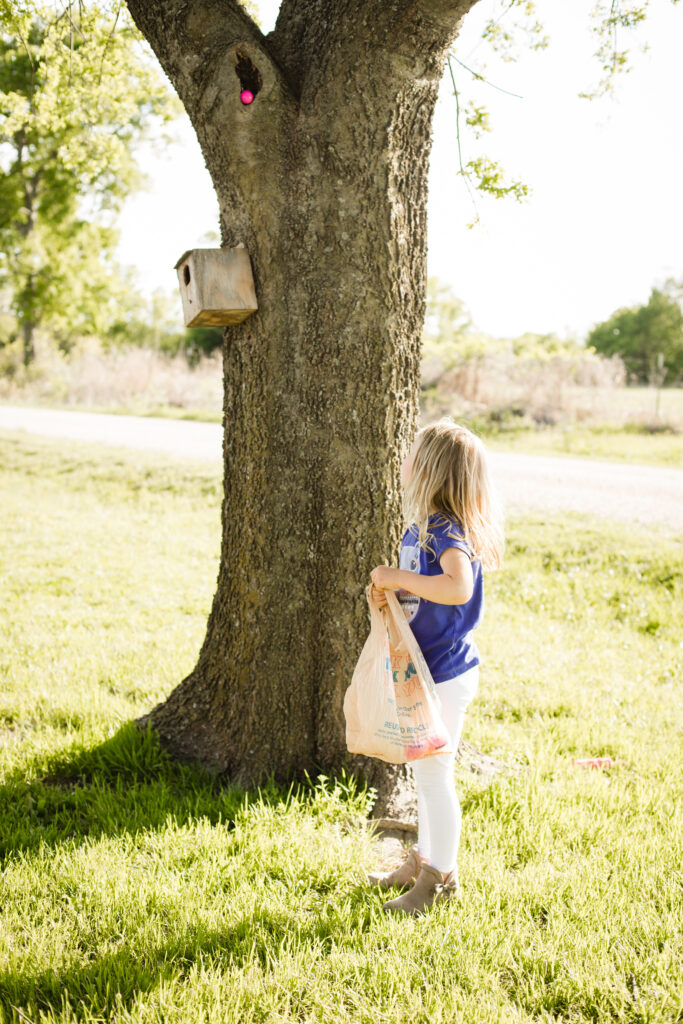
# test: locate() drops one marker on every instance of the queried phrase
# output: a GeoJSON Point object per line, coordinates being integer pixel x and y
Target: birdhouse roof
{"type": "Point", "coordinates": [186, 253]}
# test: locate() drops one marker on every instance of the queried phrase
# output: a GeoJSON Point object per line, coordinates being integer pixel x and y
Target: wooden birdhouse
{"type": "Point", "coordinates": [216, 286]}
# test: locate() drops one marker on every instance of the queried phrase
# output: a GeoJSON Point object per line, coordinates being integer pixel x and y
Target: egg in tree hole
{"type": "Point", "coordinates": [246, 96]}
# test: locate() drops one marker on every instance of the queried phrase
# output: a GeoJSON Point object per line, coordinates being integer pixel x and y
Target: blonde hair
{"type": "Point", "coordinates": [450, 476]}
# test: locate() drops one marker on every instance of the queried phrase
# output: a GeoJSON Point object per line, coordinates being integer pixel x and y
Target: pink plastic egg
{"type": "Point", "coordinates": [246, 96]}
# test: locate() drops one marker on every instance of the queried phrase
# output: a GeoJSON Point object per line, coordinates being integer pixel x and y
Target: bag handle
{"type": "Point", "coordinates": [376, 617]}
{"type": "Point", "coordinates": [400, 623]}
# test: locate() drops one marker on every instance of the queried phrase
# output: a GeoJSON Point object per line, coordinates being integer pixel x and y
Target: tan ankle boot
{"type": "Point", "coordinates": [404, 874]}
{"type": "Point", "coordinates": [431, 887]}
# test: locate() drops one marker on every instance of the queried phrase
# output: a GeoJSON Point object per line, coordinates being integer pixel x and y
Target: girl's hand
{"type": "Point", "coordinates": [386, 578]}
{"type": "Point", "coordinates": [378, 596]}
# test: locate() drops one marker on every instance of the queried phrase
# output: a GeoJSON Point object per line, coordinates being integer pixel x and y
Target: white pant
{"type": "Point", "coordinates": [438, 808]}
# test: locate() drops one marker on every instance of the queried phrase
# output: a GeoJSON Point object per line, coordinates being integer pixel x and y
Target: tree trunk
{"type": "Point", "coordinates": [29, 312]}
{"type": "Point", "coordinates": [324, 179]}
{"type": "Point", "coordinates": [29, 351]}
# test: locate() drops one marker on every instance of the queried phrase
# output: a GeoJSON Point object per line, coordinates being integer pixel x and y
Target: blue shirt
{"type": "Point", "coordinates": [443, 631]}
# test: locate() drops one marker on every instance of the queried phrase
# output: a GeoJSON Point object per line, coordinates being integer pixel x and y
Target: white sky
{"type": "Point", "coordinates": [604, 222]}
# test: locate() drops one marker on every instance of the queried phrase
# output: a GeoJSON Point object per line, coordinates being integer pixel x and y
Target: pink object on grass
{"type": "Point", "coordinates": [595, 762]}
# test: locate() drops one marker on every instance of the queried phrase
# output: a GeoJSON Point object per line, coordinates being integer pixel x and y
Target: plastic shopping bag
{"type": "Point", "coordinates": [391, 707]}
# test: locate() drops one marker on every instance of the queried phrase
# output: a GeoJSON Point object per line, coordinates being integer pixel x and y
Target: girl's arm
{"type": "Point", "coordinates": [454, 586]}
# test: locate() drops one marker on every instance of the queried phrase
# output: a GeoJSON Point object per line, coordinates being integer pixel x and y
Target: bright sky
{"type": "Point", "coordinates": [604, 222]}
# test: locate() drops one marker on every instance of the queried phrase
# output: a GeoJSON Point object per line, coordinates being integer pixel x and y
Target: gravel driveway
{"type": "Point", "coordinates": [614, 490]}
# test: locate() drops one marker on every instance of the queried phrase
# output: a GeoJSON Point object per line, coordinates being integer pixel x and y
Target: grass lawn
{"type": "Point", "coordinates": [137, 890]}
{"type": "Point", "coordinates": [614, 443]}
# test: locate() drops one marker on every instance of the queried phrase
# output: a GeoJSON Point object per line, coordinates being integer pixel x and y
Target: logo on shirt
{"type": "Point", "coordinates": [409, 559]}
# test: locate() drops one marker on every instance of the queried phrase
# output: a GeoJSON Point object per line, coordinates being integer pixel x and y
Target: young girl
{"type": "Point", "coordinates": [456, 529]}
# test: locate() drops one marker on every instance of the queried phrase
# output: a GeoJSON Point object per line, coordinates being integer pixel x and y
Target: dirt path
{"type": "Point", "coordinates": [614, 490]}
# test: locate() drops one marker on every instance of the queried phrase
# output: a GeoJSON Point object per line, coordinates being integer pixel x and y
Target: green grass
{"type": "Point", "coordinates": [621, 443]}
{"type": "Point", "coordinates": [138, 890]}
{"type": "Point", "coordinates": [167, 412]}
{"type": "Point", "coordinates": [131, 408]}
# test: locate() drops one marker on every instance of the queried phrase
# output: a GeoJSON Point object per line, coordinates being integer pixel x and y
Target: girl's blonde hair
{"type": "Point", "coordinates": [450, 476]}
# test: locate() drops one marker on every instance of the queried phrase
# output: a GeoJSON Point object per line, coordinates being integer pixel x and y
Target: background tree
{"type": "Point", "coordinates": [447, 336]}
{"type": "Point", "coordinates": [450, 342]}
{"type": "Point", "coordinates": [75, 99]}
{"type": "Point", "coordinates": [649, 338]}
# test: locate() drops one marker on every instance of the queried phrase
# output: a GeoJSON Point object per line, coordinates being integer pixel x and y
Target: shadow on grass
{"type": "Point", "coordinates": [114, 981]}
{"type": "Point", "coordinates": [124, 785]}
{"type": "Point", "coordinates": [129, 783]}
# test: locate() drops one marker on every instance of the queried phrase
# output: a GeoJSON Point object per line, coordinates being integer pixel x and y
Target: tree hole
{"type": "Point", "coordinates": [249, 75]}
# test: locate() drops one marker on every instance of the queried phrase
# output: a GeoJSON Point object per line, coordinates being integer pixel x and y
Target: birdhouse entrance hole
{"type": "Point", "coordinates": [186, 274]}
{"type": "Point", "coordinates": [249, 75]}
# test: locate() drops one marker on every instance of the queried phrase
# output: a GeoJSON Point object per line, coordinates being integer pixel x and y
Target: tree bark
{"type": "Point", "coordinates": [324, 179]}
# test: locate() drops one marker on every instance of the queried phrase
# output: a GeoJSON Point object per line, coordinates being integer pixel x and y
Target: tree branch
{"type": "Point", "coordinates": [427, 27]}
{"type": "Point", "coordinates": [446, 12]}
{"type": "Point", "coordinates": [424, 26]}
